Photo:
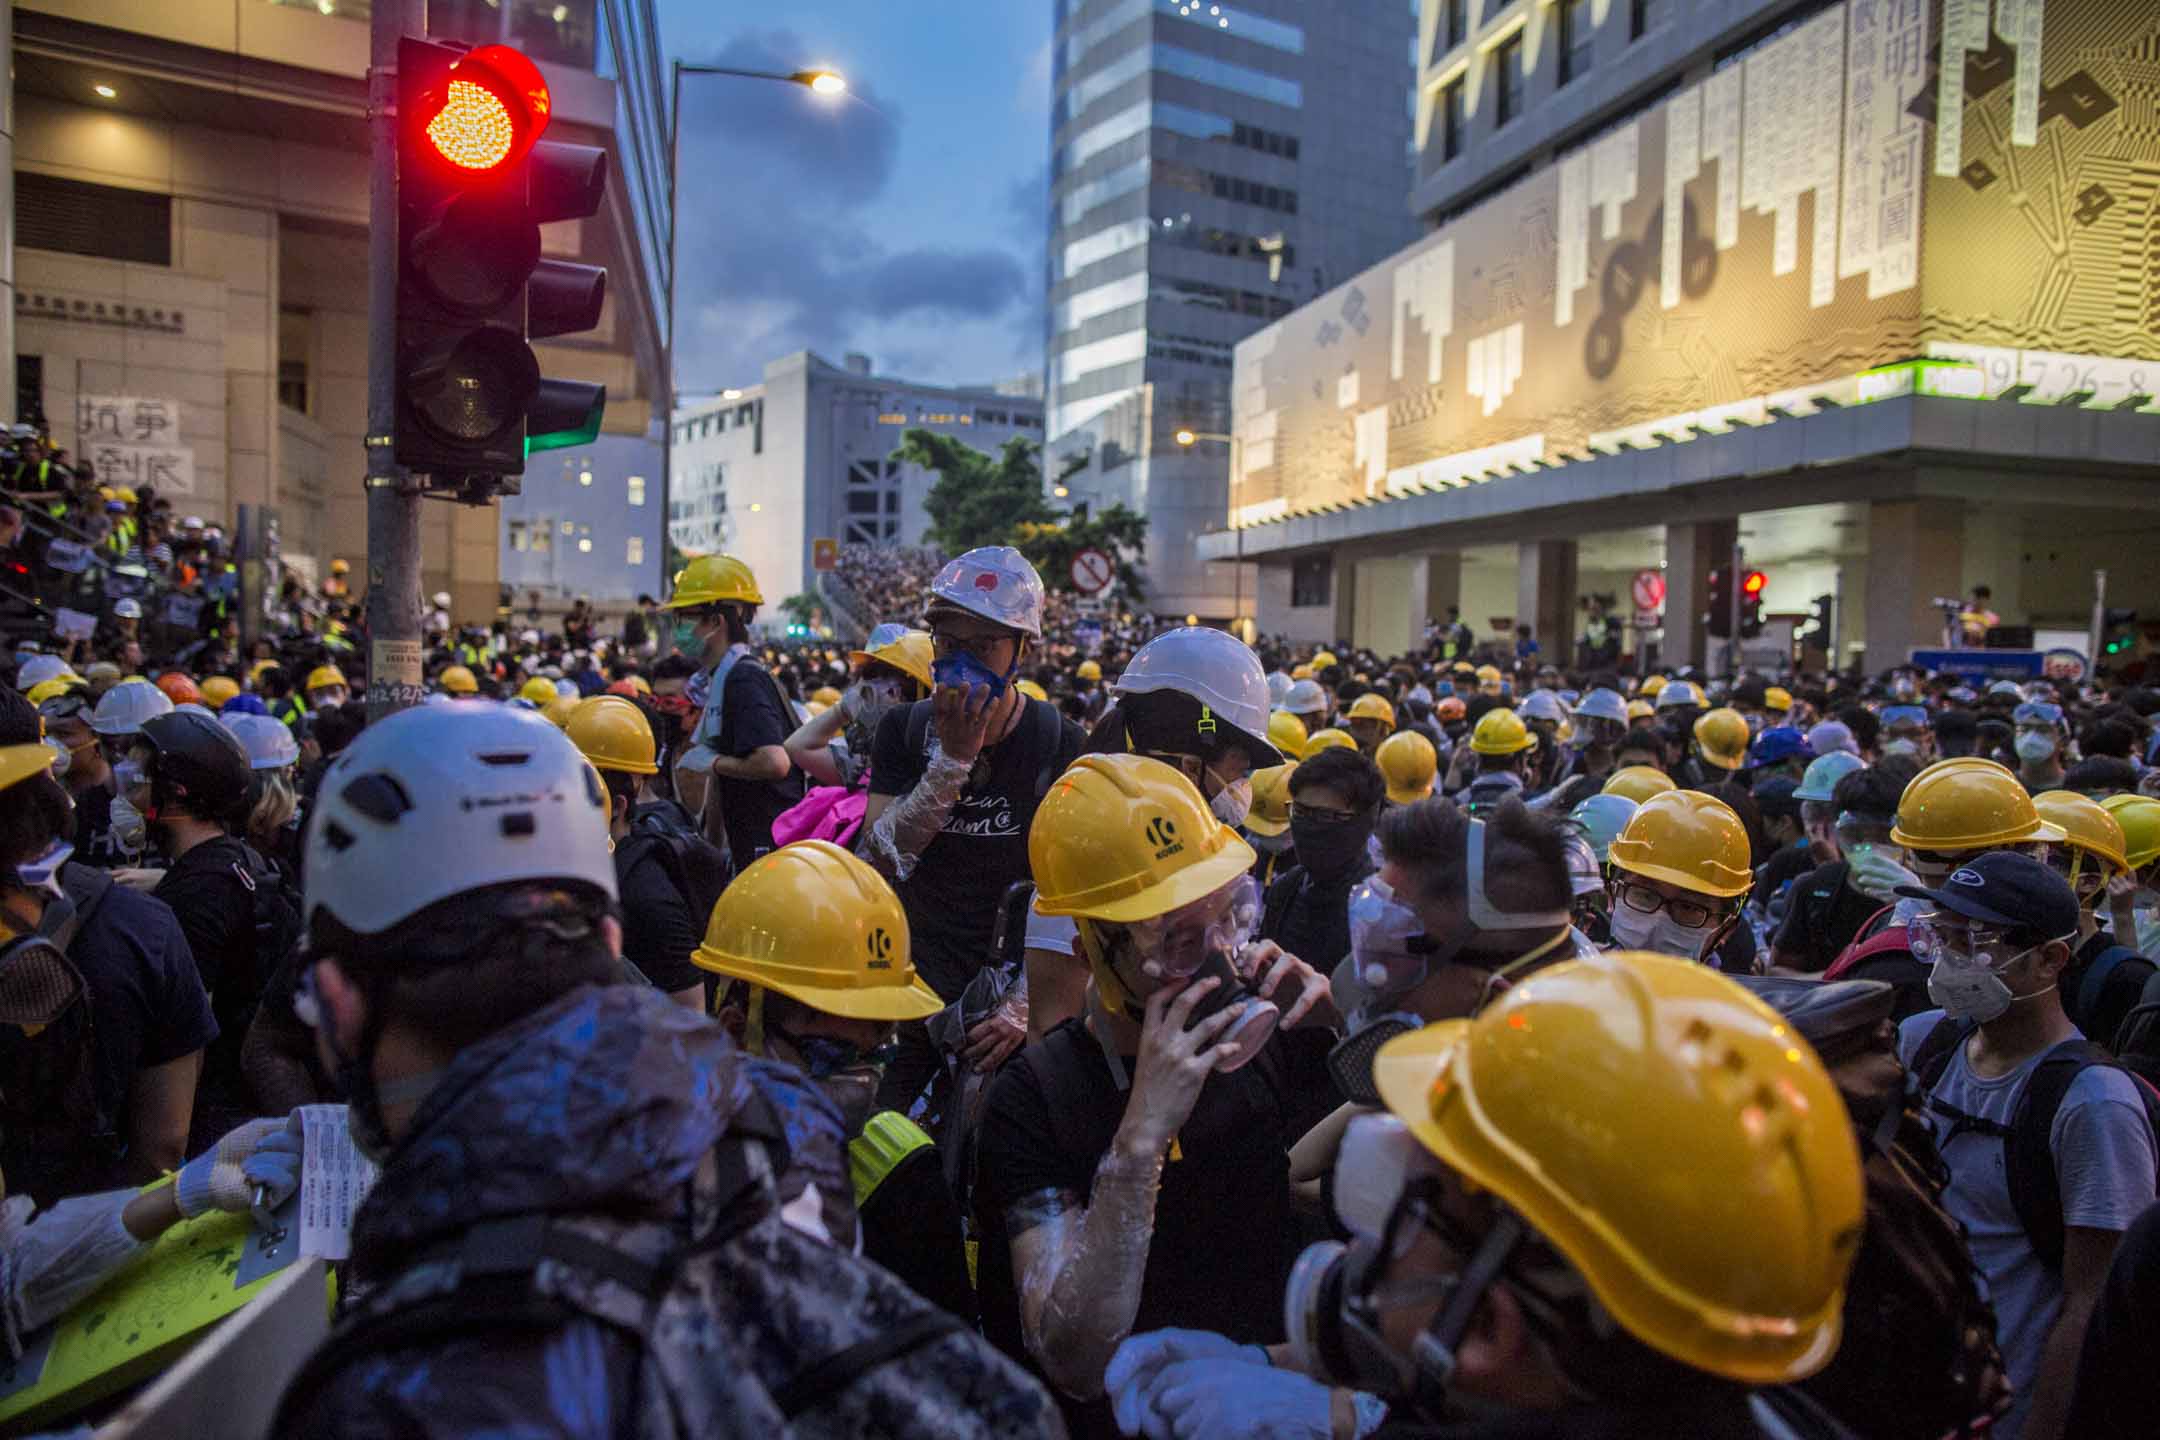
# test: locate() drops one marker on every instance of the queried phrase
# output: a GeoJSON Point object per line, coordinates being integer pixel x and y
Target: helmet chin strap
{"type": "Point", "coordinates": [1483, 913]}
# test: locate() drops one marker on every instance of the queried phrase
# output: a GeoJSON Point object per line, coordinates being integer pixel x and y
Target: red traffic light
{"type": "Point", "coordinates": [1752, 583]}
{"type": "Point", "coordinates": [491, 108]}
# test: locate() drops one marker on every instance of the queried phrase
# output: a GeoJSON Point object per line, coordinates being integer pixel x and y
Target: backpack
{"type": "Point", "coordinates": [749, 1327]}
{"type": "Point", "coordinates": [2028, 1144]}
{"type": "Point", "coordinates": [826, 812]}
{"type": "Point", "coordinates": [1885, 955]}
{"type": "Point", "coordinates": [57, 1138]}
{"type": "Point", "coordinates": [2105, 993]}
{"type": "Point", "coordinates": [661, 830]}
{"type": "Point", "coordinates": [2137, 1039]}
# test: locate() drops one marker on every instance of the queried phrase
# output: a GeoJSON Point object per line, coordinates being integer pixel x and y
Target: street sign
{"type": "Point", "coordinates": [1981, 664]}
{"type": "Point", "coordinates": [2064, 665]}
{"type": "Point", "coordinates": [1649, 589]}
{"type": "Point", "coordinates": [824, 554]}
{"type": "Point", "coordinates": [1087, 634]}
{"type": "Point", "coordinates": [1092, 572]}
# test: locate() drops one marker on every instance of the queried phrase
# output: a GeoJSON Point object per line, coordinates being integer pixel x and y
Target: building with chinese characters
{"type": "Point", "coordinates": [190, 249]}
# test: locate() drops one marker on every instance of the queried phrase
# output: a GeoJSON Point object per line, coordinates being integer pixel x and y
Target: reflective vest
{"type": "Point", "coordinates": [889, 1138]}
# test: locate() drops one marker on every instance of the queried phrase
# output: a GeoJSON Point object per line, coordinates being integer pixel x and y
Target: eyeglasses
{"type": "Point", "coordinates": [977, 643]}
{"type": "Point", "coordinates": [1321, 814]}
{"type": "Point", "coordinates": [1691, 913]}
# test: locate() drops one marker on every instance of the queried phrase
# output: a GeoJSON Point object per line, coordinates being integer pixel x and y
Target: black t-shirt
{"type": "Point", "coordinates": [911, 1226]}
{"type": "Point", "coordinates": [216, 911]}
{"type": "Point", "coordinates": [753, 719]}
{"type": "Point", "coordinates": [659, 931]}
{"type": "Point", "coordinates": [147, 1004]}
{"type": "Point", "coordinates": [1822, 916]}
{"type": "Point", "coordinates": [952, 895]}
{"type": "Point", "coordinates": [2101, 1016]}
{"type": "Point", "coordinates": [2113, 1398]}
{"type": "Point", "coordinates": [1310, 918]}
{"type": "Point", "coordinates": [1788, 864]}
{"type": "Point", "coordinates": [95, 843]}
{"type": "Point", "coordinates": [1224, 1238]}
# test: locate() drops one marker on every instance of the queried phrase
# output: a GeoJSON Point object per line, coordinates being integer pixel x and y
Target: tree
{"type": "Point", "coordinates": [977, 499]}
{"type": "Point", "coordinates": [1117, 531]}
{"type": "Point", "coordinates": [806, 610]}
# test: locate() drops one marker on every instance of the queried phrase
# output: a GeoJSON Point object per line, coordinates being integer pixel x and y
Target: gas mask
{"type": "Point", "coordinates": [1194, 942]}
{"type": "Point", "coordinates": [353, 1076]}
{"type": "Point", "coordinates": [864, 705]}
{"type": "Point", "coordinates": [1965, 969]}
{"type": "Point", "coordinates": [130, 829]}
{"type": "Point", "coordinates": [1233, 802]}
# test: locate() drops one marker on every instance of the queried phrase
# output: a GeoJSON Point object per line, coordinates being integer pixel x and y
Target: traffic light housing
{"type": "Point", "coordinates": [1751, 592]}
{"type": "Point", "coordinates": [2118, 632]}
{"type": "Point", "coordinates": [1820, 621]}
{"type": "Point", "coordinates": [475, 183]}
{"type": "Point", "coordinates": [1719, 619]}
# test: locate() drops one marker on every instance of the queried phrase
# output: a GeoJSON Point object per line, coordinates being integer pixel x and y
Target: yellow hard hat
{"type": "Point", "coordinates": [612, 733]}
{"type": "Point", "coordinates": [1090, 671]}
{"type": "Point", "coordinates": [2139, 816]}
{"type": "Point", "coordinates": [1124, 838]}
{"type": "Point", "coordinates": [1287, 733]}
{"type": "Point", "coordinates": [1722, 735]}
{"type": "Point", "coordinates": [910, 654]}
{"type": "Point", "coordinates": [1488, 675]}
{"type": "Point", "coordinates": [1500, 731]}
{"type": "Point", "coordinates": [821, 927]}
{"type": "Point", "coordinates": [1777, 697]}
{"type": "Point", "coordinates": [1651, 685]}
{"type": "Point", "coordinates": [1373, 707]}
{"type": "Point", "coordinates": [340, 567]}
{"type": "Point", "coordinates": [815, 708]}
{"type": "Point", "coordinates": [2086, 823]}
{"type": "Point", "coordinates": [1270, 813]}
{"type": "Point", "coordinates": [537, 690]}
{"type": "Point", "coordinates": [1550, 1100]}
{"type": "Point", "coordinates": [1301, 672]}
{"type": "Point", "coordinates": [1639, 783]}
{"type": "Point", "coordinates": [19, 762]}
{"type": "Point", "coordinates": [255, 671]}
{"type": "Point", "coordinates": [559, 710]}
{"type": "Point", "coordinates": [324, 676]}
{"type": "Point", "coordinates": [825, 695]}
{"type": "Point", "coordinates": [1640, 710]}
{"type": "Point", "coordinates": [217, 689]}
{"type": "Point", "coordinates": [1968, 804]}
{"type": "Point", "coordinates": [1030, 689]}
{"type": "Point", "coordinates": [1324, 658]}
{"type": "Point", "coordinates": [1690, 839]}
{"type": "Point", "coordinates": [711, 579]}
{"type": "Point", "coordinates": [1324, 739]}
{"type": "Point", "coordinates": [459, 681]}
{"type": "Point", "coordinates": [44, 690]}
{"type": "Point", "coordinates": [1408, 763]}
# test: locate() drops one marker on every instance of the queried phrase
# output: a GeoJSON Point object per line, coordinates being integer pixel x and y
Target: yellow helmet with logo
{"type": "Point", "coordinates": [1722, 736]}
{"type": "Point", "coordinates": [911, 654]}
{"type": "Point", "coordinates": [1639, 783]}
{"type": "Point", "coordinates": [711, 579]}
{"type": "Point", "coordinates": [1287, 733]}
{"type": "Point", "coordinates": [821, 927]}
{"type": "Point", "coordinates": [1967, 804]}
{"type": "Point", "coordinates": [1688, 839]}
{"type": "Point", "coordinates": [1552, 1096]}
{"type": "Point", "coordinates": [459, 681]}
{"type": "Point", "coordinates": [1408, 764]}
{"type": "Point", "coordinates": [1501, 731]}
{"type": "Point", "coordinates": [612, 733]}
{"type": "Point", "coordinates": [558, 711]}
{"type": "Point", "coordinates": [322, 677]}
{"type": "Point", "coordinates": [1270, 813]}
{"type": "Point", "coordinates": [826, 696]}
{"type": "Point", "coordinates": [2139, 816]}
{"type": "Point", "coordinates": [537, 690]}
{"type": "Point", "coordinates": [218, 689]}
{"type": "Point", "coordinates": [2088, 826]}
{"type": "Point", "coordinates": [1777, 697]}
{"type": "Point", "coordinates": [1650, 686]}
{"type": "Point", "coordinates": [1089, 671]}
{"type": "Point", "coordinates": [1125, 838]}
{"type": "Point", "coordinates": [1371, 706]}
{"type": "Point", "coordinates": [1325, 739]}
{"type": "Point", "coordinates": [1030, 689]}
{"type": "Point", "coordinates": [1323, 658]}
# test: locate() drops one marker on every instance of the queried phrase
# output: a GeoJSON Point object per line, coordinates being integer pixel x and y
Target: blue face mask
{"type": "Point", "coordinates": [963, 670]}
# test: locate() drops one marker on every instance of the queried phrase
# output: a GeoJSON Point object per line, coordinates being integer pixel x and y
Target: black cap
{"type": "Point", "coordinates": [1774, 796]}
{"type": "Point", "coordinates": [2002, 887]}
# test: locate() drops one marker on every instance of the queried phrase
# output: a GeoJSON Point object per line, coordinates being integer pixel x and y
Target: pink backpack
{"type": "Point", "coordinates": [827, 812]}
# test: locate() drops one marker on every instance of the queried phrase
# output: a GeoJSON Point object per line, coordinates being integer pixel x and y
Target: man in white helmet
{"type": "Point", "coordinates": [954, 782]}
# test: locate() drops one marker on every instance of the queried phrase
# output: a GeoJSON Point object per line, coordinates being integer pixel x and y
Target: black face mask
{"type": "Point", "coordinates": [1330, 848]}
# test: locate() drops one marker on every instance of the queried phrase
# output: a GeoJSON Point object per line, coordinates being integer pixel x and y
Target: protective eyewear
{"type": "Point", "coordinates": [824, 1055]}
{"type": "Point", "coordinates": [1320, 814]}
{"type": "Point", "coordinates": [1936, 936]}
{"type": "Point", "coordinates": [65, 707]}
{"type": "Point", "coordinates": [1175, 946]}
{"type": "Point", "coordinates": [979, 643]}
{"type": "Point", "coordinates": [1642, 898]}
{"type": "Point", "coordinates": [1912, 715]}
{"type": "Point", "coordinates": [2037, 713]}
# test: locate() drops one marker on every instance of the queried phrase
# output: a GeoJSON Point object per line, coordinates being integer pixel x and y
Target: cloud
{"type": "Point", "coordinates": [794, 231]}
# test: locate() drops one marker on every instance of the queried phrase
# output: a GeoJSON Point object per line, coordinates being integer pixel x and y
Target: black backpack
{"type": "Point", "coordinates": [747, 1328]}
{"type": "Point", "coordinates": [662, 830]}
{"type": "Point", "coordinates": [2028, 1147]}
{"type": "Point", "coordinates": [2104, 993]}
{"type": "Point", "coordinates": [56, 1136]}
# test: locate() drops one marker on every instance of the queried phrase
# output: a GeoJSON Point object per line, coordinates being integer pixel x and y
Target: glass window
{"type": "Point", "coordinates": [1223, 75]}
{"type": "Point", "coordinates": [1645, 16]}
{"type": "Point", "coordinates": [1455, 22]}
{"type": "Point", "coordinates": [1197, 124]}
{"type": "Point", "coordinates": [634, 550]}
{"type": "Point", "coordinates": [1312, 580]}
{"type": "Point", "coordinates": [1577, 31]}
{"type": "Point", "coordinates": [1275, 34]}
{"type": "Point", "coordinates": [1074, 153]}
{"type": "Point", "coordinates": [1099, 300]}
{"type": "Point", "coordinates": [1102, 190]}
{"type": "Point", "coordinates": [519, 541]}
{"type": "Point", "coordinates": [637, 489]}
{"type": "Point", "coordinates": [1508, 77]}
{"type": "Point", "coordinates": [1453, 119]}
{"type": "Point", "coordinates": [1095, 84]}
{"type": "Point", "coordinates": [1115, 240]}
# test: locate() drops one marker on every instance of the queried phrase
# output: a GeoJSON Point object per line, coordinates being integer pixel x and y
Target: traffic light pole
{"type": "Point", "coordinates": [1733, 595]}
{"type": "Point", "coordinates": [393, 504]}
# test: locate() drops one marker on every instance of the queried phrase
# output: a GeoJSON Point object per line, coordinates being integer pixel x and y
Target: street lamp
{"type": "Point", "coordinates": [828, 83]}
{"type": "Point", "coordinates": [1190, 438]}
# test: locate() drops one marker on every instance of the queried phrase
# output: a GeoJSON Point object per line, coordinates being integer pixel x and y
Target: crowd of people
{"type": "Point", "coordinates": [1014, 1029]}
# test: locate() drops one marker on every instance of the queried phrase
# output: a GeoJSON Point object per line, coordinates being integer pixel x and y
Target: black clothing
{"type": "Point", "coordinates": [1223, 1240]}
{"type": "Point", "coordinates": [2098, 1009]}
{"type": "Point", "coordinates": [911, 1226]}
{"type": "Point", "coordinates": [659, 930]}
{"type": "Point", "coordinates": [216, 911]}
{"type": "Point", "coordinates": [95, 843]}
{"type": "Point", "coordinates": [1821, 917]}
{"type": "Point", "coordinates": [953, 893]}
{"type": "Point", "coordinates": [2113, 1399]}
{"type": "Point", "coordinates": [1789, 864]}
{"type": "Point", "coordinates": [753, 719]}
{"type": "Point", "coordinates": [1309, 917]}
{"type": "Point", "coordinates": [1724, 1417]}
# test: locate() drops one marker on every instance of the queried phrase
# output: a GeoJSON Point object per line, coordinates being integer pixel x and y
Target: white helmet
{"type": "Point", "coordinates": [437, 801]}
{"type": "Point", "coordinates": [127, 609]}
{"type": "Point", "coordinates": [1678, 693]}
{"type": "Point", "coordinates": [268, 742]}
{"type": "Point", "coordinates": [36, 670]}
{"type": "Point", "coordinates": [1305, 698]}
{"type": "Point", "coordinates": [1603, 704]}
{"type": "Point", "coordinates": [442, 599]}
{"type": "Point", "coordinates": [1543, 705]}
{"type": "Point", "coordinates": [997, 583]}
{"type": "Point", "coordinates": [122, 709]}
{"type": "Point", "coordinates": [566, 689]}
{"type": "Point", "coordinates": [1212, 666]}
{"type": "Point", "coordinates": [1278, 687]}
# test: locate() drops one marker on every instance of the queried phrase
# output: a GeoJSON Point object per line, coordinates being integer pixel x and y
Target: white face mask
{"type": "Point", "coordinates": [129, 827]}
{"type": "Point", "coordinates": [2034, 747]}
{"type": "Point", "coordinates": [1633, 930]}
{"type": "Point", "coordinates": [1233, 802]}
{"type": "Point", "coordinates": [1968, 992]}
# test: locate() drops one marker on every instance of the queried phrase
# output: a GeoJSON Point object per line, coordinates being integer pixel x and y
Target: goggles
{"type": "Point", "coordinates": [2037, 712]}
{"type": "Point", "coordinates": [1915, 716]}
{"type": "Point", "coordinates": [66, 707]}
{"type": "Point", "coordinates": [1943, 937]}
{"type": "Point", "coordinates": [1175, 945]}
{"type": "Point", "coordinates": [824, 1055]}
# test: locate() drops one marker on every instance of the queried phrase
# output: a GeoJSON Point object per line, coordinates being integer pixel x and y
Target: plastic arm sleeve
{"type": "Point", "coordinates": [1080, 1285]}
{"type": "Point", "coordinates": [54, 1262]}
{"type": "Point", "coordinates": [911, 822]}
